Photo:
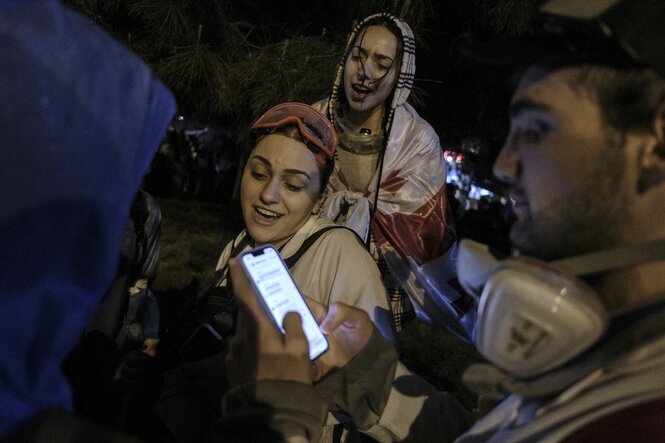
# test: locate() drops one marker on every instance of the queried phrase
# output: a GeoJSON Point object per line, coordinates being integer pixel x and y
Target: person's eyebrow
{"type": "Point", "coordinates": [384, 57]}
{"type": "Point", "coordinates": [291, 171]}
{"type": "Point", "coordinates": [359, 46]}
{"type": "Point", "coordinates": [378, 55]}
{"type": "Point", "coordinates": [525, 104]}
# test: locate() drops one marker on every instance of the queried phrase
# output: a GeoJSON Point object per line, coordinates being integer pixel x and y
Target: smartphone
{"type": "Point", "coordinates": [278, 292]}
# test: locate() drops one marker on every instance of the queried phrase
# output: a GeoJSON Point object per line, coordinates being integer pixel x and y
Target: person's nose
{"type": "Point", "coordinates": [365, 72]}
{"type": "Point", "coordinates": [507, 166]}
{"type": "Point", "coordinates": [369, 72]}
{"type": "Point", "coordinates": [372, 73]}
{"type": "Point", "coordinates": [270, 192]}
{"type": "Point", "coordinates": [361, 71]}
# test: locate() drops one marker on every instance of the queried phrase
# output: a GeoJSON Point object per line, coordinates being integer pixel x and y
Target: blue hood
{"type": "Point", "coordinates": [80, 120]}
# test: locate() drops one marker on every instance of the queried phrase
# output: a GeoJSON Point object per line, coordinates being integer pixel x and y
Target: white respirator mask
{"type": "Point", "coordinates": [535, 316]}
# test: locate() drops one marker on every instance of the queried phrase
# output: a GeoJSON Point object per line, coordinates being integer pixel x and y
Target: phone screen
{"type": "Point", "coordinates": [279, 293]}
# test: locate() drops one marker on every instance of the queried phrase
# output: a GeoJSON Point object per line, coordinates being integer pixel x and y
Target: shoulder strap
{"type": "Point", "coordinates": [309, 241]}
{"type": "Point", "coordinates": [242, 244]}
{"type": "Point", "coordinates": [220, 274]}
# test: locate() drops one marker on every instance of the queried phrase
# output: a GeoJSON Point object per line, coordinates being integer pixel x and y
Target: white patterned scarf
{"type": "Point", "coordinates": [412, 222]}
{"type": "Point", "coordinates": [413, 216]}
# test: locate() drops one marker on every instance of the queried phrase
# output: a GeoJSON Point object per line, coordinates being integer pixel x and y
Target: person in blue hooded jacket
{"type": "Point", "coordinates": [81, 118]}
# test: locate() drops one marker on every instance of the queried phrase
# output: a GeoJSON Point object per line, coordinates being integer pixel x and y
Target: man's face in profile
{"type": "Point", "coordinates": [567, 179]}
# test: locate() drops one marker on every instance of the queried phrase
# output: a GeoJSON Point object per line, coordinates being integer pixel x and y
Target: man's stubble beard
{"type": "Point", "coordinates": [577, 224]}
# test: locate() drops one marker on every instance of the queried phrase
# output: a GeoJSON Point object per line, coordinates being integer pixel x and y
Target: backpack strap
{"type": "Point", "coordinates": [220, 274]}
{"type": "Point", "coordinates": [213, 298]}
{"type": "Point", "coordinates": [309, 241]}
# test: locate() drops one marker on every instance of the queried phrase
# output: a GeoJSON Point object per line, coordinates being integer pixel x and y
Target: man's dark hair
{"type": "Point", "coordinates": [629, 99]}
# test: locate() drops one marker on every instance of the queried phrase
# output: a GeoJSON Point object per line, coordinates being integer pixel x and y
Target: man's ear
{"type": "Point", "coordinates": [652, 161]}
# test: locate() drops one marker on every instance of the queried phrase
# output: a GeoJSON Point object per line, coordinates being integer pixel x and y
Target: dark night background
{"type": "Point", "coordinates": [228, 61]}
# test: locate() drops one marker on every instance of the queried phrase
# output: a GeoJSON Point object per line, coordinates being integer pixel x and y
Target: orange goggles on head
{"type": "Point", "coordinates": [316, 130]}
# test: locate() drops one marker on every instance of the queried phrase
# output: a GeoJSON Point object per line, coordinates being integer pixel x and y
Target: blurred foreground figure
{"type": "Point", "coordinates": [81, 118]}
{"type": "Point", "coordinates": [576, 346]}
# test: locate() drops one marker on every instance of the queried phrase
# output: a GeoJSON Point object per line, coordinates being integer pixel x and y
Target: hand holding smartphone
{"type": "Point", "coordinates": [279, 294]}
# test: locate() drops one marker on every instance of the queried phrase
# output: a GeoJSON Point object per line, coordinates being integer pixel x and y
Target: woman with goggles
{"type": "Point", "coordinates": [281, 189]}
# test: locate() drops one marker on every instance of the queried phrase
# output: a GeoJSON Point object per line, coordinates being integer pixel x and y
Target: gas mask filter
{"type": "Point", "coordinates": [535, 316]}
{"type": "Point", "coordinates": [532, 317]}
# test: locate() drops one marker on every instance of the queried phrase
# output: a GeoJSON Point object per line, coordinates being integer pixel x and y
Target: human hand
{"type": "Point", "coordinates": [258, 350]}
{"type": "Point", "coordinates": [347, 329]}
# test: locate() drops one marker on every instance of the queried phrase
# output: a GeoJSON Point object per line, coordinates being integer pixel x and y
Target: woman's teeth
{"type": "Point", "coordinates": [362, 89]}
{"type": "Point", "coordinates": [266, 213]}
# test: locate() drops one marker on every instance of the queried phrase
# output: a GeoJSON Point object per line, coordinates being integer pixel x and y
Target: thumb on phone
{"type": "Point", "coordinates": [294, 335]}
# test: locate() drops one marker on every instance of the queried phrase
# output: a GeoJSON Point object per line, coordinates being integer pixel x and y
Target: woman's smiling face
{"type": "Point", "coordinates": [279, 189]}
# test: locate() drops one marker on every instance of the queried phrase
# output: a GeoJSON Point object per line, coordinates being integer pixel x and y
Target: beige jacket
{"type": "Point", "coordinates": [336, 268]}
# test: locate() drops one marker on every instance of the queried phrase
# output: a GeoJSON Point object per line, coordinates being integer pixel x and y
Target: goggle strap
{"type": "Point", "coordinates": [309, 135]}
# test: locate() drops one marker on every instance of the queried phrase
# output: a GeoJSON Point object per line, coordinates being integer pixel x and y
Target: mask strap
{"type": "Point", "coordinates": [615, 258]}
